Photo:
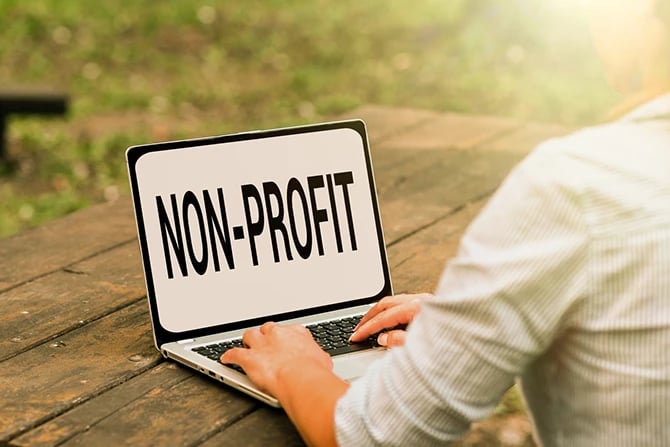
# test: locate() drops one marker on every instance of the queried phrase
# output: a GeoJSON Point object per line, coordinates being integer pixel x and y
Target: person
{"type": "Point", "coordinates": [562, 282]}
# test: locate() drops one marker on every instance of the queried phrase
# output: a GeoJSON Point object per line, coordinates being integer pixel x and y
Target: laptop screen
{"type": "Point", "coordinates": [253, 225]}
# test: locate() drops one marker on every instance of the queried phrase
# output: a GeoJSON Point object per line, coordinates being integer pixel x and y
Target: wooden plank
{"type": "Point", "coordinates": [425, 172]}
{"type": "Point", "coordinates": [264, 427]}
{"type": "Point", "coordinates": [417, 262]}
{"type": "Point", "coordinates": [82, 417]}
{"type": "Point", "coordinates": [417, 187]}
{"type": "Point", "coordinates": [404, 135]}
{"type": "Point", "coordinates": [384, 122]}
{"type": "Point", "coordinates": [64, 300]}
{"type": "Point", "coordinates": [64, 241]}
{"type": "Point", "coordinates": [58, 375]}
{"type": "Point", "coordinates": [434, 183]}
{"type": "Point", "coordinates": [526, 137]}
{"type": "Point", "coordinates": [183, 413]}
{"type": "Point", "coordinates": [451, 131]}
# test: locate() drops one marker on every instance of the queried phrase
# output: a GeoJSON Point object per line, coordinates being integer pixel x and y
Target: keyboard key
{"type": "Point", "coordinates": [332, 336]}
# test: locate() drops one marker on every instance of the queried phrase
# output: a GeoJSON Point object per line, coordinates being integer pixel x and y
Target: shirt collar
{"type": "Point", "coordinates": [656, 109]}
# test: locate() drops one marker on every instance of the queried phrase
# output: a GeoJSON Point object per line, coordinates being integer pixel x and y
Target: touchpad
{"type": "Point", "coordinates": [351, 366]}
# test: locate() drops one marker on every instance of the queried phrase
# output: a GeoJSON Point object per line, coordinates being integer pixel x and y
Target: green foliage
{"type": "Point", "coordinates": [145, 70]}
{"type": "Point", "coordinates": [511, 402]}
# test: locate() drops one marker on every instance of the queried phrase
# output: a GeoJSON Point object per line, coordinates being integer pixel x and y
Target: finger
{"type": "Point", "coordinates": [239, 356]}
{"type": "Point", "coordinates": [266, 328]}
{"type": "Point", "coordinates": [390, 318]}
{"type": "Point", "coordinates": [383, 304]}
{"type": "Point", "coordinates": [251, 337]}
{"type": "Point", "coordinates": [392, 338]}
{"type": "Point", "coordinates": [392, 301]}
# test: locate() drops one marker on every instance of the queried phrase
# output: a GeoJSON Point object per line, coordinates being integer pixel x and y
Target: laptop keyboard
{"type": "Point", "coordinates": [332, 336]}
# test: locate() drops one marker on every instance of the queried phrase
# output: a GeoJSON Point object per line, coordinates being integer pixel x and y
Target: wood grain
{"type": "Point", "coordinates": [92, 412]}
{"type": "Point", "coordinates": [64, 300]}
{"type": "Point", "coordinates": [385, 122]}
{"type": "Point", "coordinates": [56, 376]}
{"type": "Point", "coordinates": [525, 138]}
{"type": "Point", "coordinates": [450, 131]}
{"type": "Point", "coordinates": [417, 262]}
{"type": "Point", "coordinates": [433, 184]}
{"type": "Point", "coordinates": [64, 241]}
{"type": "Point", "coordinates": [183, 413]}
{"type": "Point", "coordinates": [264, 427]}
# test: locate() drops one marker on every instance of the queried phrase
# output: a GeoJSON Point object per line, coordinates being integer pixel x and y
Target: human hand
{"type": "Point", "coordinates": [273, 351]}
{"type": "Point", "coordinates": [388, 313]}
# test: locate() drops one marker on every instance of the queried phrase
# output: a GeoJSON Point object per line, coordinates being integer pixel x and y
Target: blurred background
{"type": "Point", "coordinates": [146, 71]}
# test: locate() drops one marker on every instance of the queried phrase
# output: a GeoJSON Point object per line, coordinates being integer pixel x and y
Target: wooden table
{"type": "Point", "coordinates": [77, 360]}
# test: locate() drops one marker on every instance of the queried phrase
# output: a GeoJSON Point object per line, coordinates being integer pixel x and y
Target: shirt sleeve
{"type": "Point", "coordinates": [519, 272]}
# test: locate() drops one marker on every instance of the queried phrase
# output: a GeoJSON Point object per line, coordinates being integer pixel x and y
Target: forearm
{"type": "Point", "coordinates": [309, 396]}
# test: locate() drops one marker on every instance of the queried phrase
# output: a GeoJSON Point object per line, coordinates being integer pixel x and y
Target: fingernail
{"type": "Point", "coordinates": [352, 335]}
{"type": "Point", "coordinates": [382, 339]}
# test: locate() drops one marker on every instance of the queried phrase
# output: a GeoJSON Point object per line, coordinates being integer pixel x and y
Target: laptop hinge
{"type": "Point", "coordinates": [188, 340]}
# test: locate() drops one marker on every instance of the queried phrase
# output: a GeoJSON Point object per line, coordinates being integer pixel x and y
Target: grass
{"type": "Point", "coordinates": [146, 71]}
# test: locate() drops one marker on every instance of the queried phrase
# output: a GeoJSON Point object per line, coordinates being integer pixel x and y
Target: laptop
{"type": "Point", "coordinates": [279, 225]}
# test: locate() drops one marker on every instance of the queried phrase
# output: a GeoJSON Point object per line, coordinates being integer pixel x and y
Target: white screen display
{"type": "Point", "coordinates": [239, 230]}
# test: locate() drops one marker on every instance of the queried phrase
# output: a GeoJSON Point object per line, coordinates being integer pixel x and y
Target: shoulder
{"type": "Point", "coordinates": [617, 172]}
{"type": "Point", "coordinates": [622, 147]}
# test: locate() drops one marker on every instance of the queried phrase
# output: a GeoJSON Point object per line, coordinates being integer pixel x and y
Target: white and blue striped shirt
{"type": "Point", "coordinates": [562, 283]}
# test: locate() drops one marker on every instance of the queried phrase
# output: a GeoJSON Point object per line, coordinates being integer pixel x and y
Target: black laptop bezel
{"type": "Point", "coordinates": [134, 153]}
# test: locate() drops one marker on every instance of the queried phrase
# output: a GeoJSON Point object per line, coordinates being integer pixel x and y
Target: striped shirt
{"type": "Point", "coordinates": [562, 283]}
